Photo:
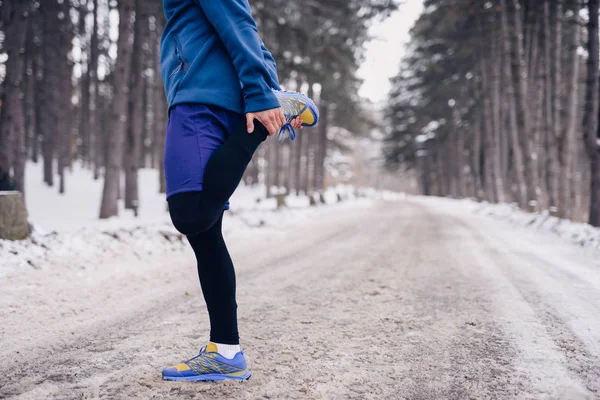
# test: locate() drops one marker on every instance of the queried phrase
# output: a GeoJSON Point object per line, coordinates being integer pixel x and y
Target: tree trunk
{"type": "Point", "coordinates": [310, 157]}
{"type": "Point", "coordinates": [424, 162]}
{"type": "Point", "coordinates": [20, 151]}
{"type": "Point", "coordinates": [12, 124]}
{"type": "Point", "coordinates": [517, 151]}
{"type": "Point", "coordinates": [13, 216]}
{"type": "Point", "coordinates": [321, 148]}
{"type": "Point", "coordinates": [147, 143]}
{"type": "Point", "coordinates": [556, 98]}
{"type": "Point", "coordinates": [568, 148]}
{"type": "Point", "coordinates": [297, 169]}
{"type": "Point", "coordinates": [29, 97]}
{"type": "Point", "coordinates": [276, 168]}
{"type": "Point", "coordinates": [86, 79]}
{"type": "Point", "coordinates": [136, 110]}
{"type": "Point", "coordinates": [532, 39]}
{"type": "Point", "coordinates": [37, 94]}
{"type": "Point", "coordinates": [270, 180]}
{"type": "Point", "coordinates": [50, 86]}
{"type": "Point", "coordinates": [594, 217]}
{"type": "Point", "coordinates": [286, 168]}
{"type": "Point", "coordinates": [307, 160]}
{"type": "Point", "coordinates": [17, 109]}
{"type": "Point", "coordinates": [475, 158]}
{"type": "Point", "coordinates": [491, 112]}
{"type": "Point", "coordinates": [109, 206]}
{"type": "Point", "coordinates": [519, 75]}
{"type": "Point", "coordinates": [590, 119]}
{"type": "Point", "coordinates": [497, 174]}
{"type": "Point", "coordinates": [64, 92]}
{"type": "Point", "coordinates": [95, 140]}
{"type": "Point", "coordinates": [291, 173]}
{"type": "Point", "coordinates": [443, 167]}
{"type": "Point", "coordinates": [161, 127]}
{"type": "Point", "coordinates": [160, 108]}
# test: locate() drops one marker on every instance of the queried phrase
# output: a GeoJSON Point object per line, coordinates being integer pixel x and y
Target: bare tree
{"type": "Point", "coordinates": [321, 147]}
{"type": "Point", "coordinates": [590, 119]}
{"type": "Point", "coordinates": [519, 75]}
{"type": "Point", "coordinates": [566, 139]}
{"type": "Point", "coordinates": [64, 90]}
{"type": "Point", "coordinates": [119, 110]}
{"type": "Point", "coordinates": [160, 111]}
{"type": "Point", "coordinates": [519, 163]}
{"type": "Point", "coordinates": [136, 109]}
{"type": "Point", "coordinates": [95, 142]}
{"type": "Point", "coordinates": [12, 123]}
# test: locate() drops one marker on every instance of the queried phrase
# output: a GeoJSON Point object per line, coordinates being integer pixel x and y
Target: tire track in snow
{"type": "Point", "coordinates": [544, 337]}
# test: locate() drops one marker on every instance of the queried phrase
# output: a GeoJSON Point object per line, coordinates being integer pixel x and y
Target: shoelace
{"type": "Point", "coordinates": [287, 128]}
{"type": "Point", "coordinates": [201, 353]}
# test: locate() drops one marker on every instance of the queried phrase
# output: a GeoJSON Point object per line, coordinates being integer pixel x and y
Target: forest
{"type": "Point", "coordinates": [80, 84]}
{"type": "Point", "coordinates": [498, 100]}
{"type": "Point", "coordinates": [494, 100]}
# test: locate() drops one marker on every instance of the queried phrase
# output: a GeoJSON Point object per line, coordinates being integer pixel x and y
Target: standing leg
{"type": "Point", "coordinates": [217, 278]}
{"type": "Point", "coordinates": [207, 152]}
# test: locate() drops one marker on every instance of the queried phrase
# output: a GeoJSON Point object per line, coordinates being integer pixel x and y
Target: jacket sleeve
{"type": "Point", "coordinates": [271, 66]}
{"type": "Point", "coordinates": [233, 22]}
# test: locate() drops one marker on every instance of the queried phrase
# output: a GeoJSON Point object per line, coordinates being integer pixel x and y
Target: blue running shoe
{"type": "Point", "coordinates": [209, 365]}
{"type": "Point", "coordinates": [293, 105]}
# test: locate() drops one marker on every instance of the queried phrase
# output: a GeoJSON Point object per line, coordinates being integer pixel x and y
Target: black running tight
{"type": "Point", "coordinates": [199, 216]}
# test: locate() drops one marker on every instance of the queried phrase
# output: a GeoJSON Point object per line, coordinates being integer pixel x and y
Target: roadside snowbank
{"type": "Point", "coordinates": [122, 239]}
{"type": "Point", "coordinates": [577, 233]}
{"type": "Point", "coordinates": [67, 233]}
{"type": "Point", "coordinates": [580, 234]}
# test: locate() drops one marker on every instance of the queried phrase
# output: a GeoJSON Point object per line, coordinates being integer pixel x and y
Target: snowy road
{"type": "Point", "coordinates": [406, 300]}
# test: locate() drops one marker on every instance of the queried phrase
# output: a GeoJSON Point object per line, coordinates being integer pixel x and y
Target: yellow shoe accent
{"type": "Point", "coordinates": [212, 348]}
{"type": "Point", "coordinates": [308, 117]}
{"type": "Point", "coordinates": [182, 367]}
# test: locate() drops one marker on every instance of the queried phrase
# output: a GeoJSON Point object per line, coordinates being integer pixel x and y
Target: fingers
{"type": "Point", "coordinates": [297, 123]}
{"type": "Point", "coordinates": [272, 119]}
{"type": "Point", "coordinates": [250, 122]}
{"type": "Point", "coordinates": [281, 117]}
{"type": "Point", "coordinates": [269, 124]}
{"type": "Point", "coordinates": [275, 126]}
{"type": "Point", "coordinates": [275, 121]}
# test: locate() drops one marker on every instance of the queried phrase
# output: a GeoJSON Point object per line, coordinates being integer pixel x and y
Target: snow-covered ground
{"type": "Point", "coordinates": [371, 299]}
{"type": "Point", "coordinates": [80, 205]}
{"type": "Point", "coordinates": [580, 234]}
{"type": "Point", "coordinates": [542, 223]}
{"type": "Point", "coordinates": [377, 297]}
{"type": "Point", "coordinates": [67, 231]}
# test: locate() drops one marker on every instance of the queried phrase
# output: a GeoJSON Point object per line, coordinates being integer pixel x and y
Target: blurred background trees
{"type": "Point", "coordinates": [495, 100]}
{"type": "Point", "coordinates": [80, 83]}
{"type": "Point", "coordinates": [498, 100]}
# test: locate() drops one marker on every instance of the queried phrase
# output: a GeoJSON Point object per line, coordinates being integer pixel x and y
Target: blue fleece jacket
{"type": "Point", "coordinates": [211, 54]}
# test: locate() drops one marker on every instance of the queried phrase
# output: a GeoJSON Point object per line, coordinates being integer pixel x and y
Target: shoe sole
{"type": "Point", "coordinates": [208, 377]}
{"type": "Point", "coordinates": [313, 114]}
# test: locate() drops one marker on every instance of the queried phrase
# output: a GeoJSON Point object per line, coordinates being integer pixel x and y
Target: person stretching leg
{"type": "Point", "coordinates": [219, 80]}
